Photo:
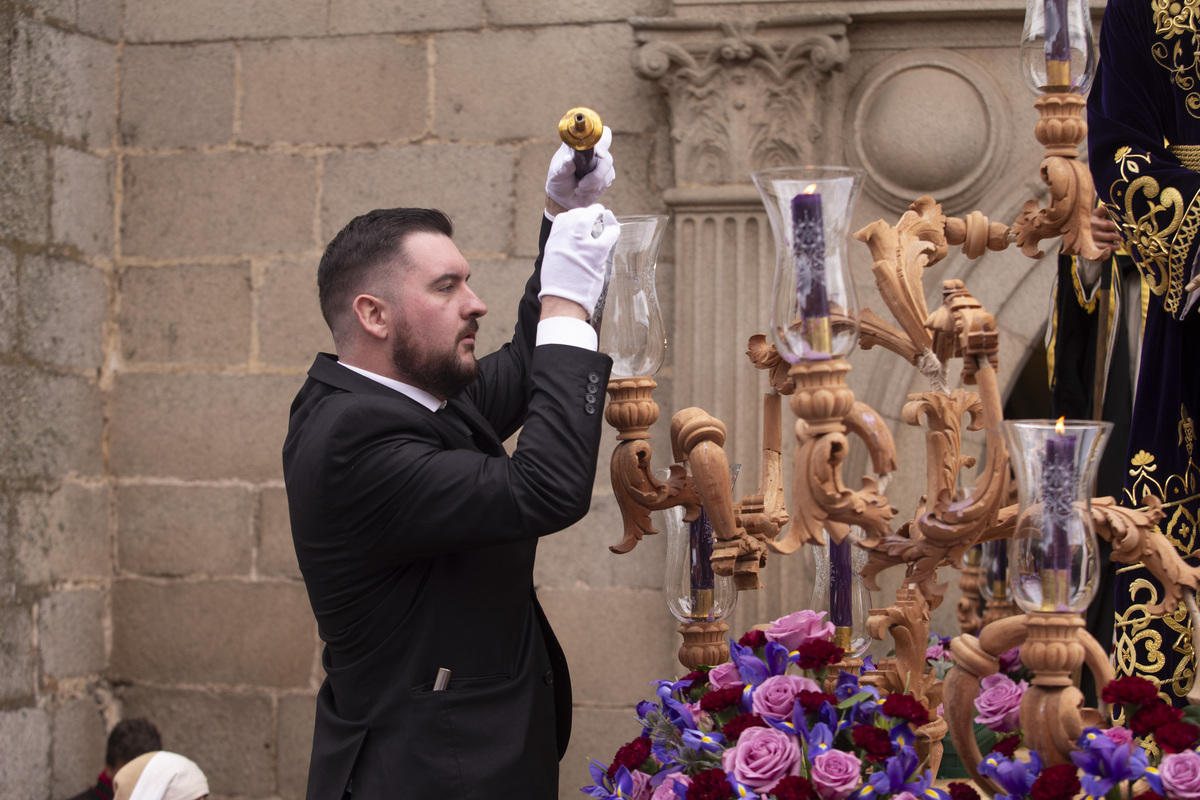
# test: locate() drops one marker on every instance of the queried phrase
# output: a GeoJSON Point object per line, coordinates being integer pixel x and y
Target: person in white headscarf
{"type": "Point", "coordinates": [160, 776]}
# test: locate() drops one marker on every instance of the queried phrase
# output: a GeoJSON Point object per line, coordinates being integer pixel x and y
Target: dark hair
{"type": "Point", "coordinates": [363, 245]}
{"type": "Point", "coordinates": [129, 739]}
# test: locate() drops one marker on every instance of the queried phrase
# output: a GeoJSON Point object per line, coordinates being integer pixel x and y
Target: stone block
{"type": "Point", "coordinates": [579, 558]}
{"type": "Point", "coordinates": [71, 633]}
{"type": "Point", "coordinates": [81, 208]}
{"type": "Point", "coordinates": [297, 713]}
{"type": "Point", "coordinates": [377, 16]}
{"type": "Point", "coordinates": [78, 746]}
{"type": "Point", "coordinates": [596, 733]}
{"type": "Point", "coordinates": [276, 552]}
{"type": "Point", "coordinates": [49, 424]}
{"type": "Point", "coordinates": [23, 187]}
{"type": "Point", "coordinates": [213, 204]}
{"type": "Point", "coordinates": [63, 308]}
{"type": "Point", "coordinates": [64, 83]}
{"type": "Point", "coordinates": [227, 734]}
{"type": "Point", "coordinates": [479, 74]}
{"type": "Point", "coordinates": [25, 742]}
{"type": "Point", "coordinates": [192, 314]}
{"type": "Point", "coordinates": [184, 530]}
{"type": "Point", "coordinates": [334, 90]}
{"type": "Point", "coordinates": [18, 666]}
{"type": "Point", "coordinates": [616, 641]}
{"type": "Point", "coordinates": [473, 184]}
{"type": "Point", "coordinates": [201, 426]}
{"type": "Point", "coordinates": [177, 95]}
{"type": "Point", "coordinates": [100, 18]}
{"type": "Point", "coordinates": [206, 20]}
{"type": "Point", "coordinates": [291, 330]}
{"type": "Point", "coordinates": [201, 633]}
{"type": "Point", "coordinates": [500, 283]}
{"type": "Point", "coordinates": [62, 534]}
{"type": "Point", "coordinates": [8, 299]}
{"type": "Point", "coordinates": [504, 13]}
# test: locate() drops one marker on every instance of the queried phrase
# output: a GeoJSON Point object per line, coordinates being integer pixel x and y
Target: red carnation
{"type": "Point", "coordinates": [811, 701]}
{"type": "Point", "coordinates": [733, 729]}
{"type": "Point", "coordinates": [1129, 690]}
{"type": "Point", "coordinates": [818, 653]}
{"type": "Point", "coordinates": [1176, 737]}
{"type": "Point", "coordinates": [793, 787]}
{"type": "Point", "coordinates": [631, 756]}
{"type": "Point", "coordinates": [1007, 745]}
{"type": "Point", "coordinates": [905, 706]}
{"type": "Point", "coordinates": [1150, 718]}
{"type": "Point", "coordinates": [1059, 782]}
{"type": "Point", "coordinates": [709, 785]}
{"type": "Point", "coordinates": [1149, 794]}
{"type": "Point", "coordinates": [753, 639]}
{"type": "Point", "coordinates": [962, 791]}
{"type": "Point", "coordinates": [874, 742]}
{"type": "Point", "coordinates": [694, 680]}
{"type": "Point", "coordinates": [720, 699]}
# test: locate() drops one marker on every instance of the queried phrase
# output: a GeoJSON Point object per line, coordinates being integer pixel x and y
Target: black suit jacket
{"type": "Point", "coordinates": [417, 545]}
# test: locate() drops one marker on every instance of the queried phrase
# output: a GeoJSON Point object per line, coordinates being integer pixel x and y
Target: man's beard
{"type": "Point", "coordinates": [443, 373]}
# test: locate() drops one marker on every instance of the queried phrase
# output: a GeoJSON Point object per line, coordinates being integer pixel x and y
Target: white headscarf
{"type": "Point", "coordinates": [160, 776]}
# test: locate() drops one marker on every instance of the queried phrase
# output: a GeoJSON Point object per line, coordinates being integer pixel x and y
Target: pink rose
{"type": "Point", "coordinates": [775, 696]}
{"type": "Point", "coordinates": [1180, 774]}
{"type": "Point", "coordinates": [1119, 735]}
{"type": "Point", "coordinates": [762, 758]}
{"type": "Point", "coordinates": [999, 703]}
{"type": "Point", "coordinates": [724, 676]}
{"type": "Point", "coordinates": [641, 786]}
{"type": "Point", "coordinates": [835, 774]}
{"type": "Point", "coordinates": [935, 652]}
{"type": "Point", "coordinates": [1010, 660]}
{"type": "Point", "coordinates": [798, 629]}
{"type": "Point", "coordinates": [666, 789]}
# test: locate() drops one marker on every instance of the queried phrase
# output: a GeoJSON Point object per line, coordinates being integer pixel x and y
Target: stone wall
{"type": "Point", "coordinates": [169, 173]}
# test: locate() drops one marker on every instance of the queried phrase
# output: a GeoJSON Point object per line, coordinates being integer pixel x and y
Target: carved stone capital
{"type": "Point", "coordinates": [744, 95]}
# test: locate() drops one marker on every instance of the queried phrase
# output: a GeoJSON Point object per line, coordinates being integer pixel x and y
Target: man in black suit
{"type": "Point", "coordinates": [415, 531]}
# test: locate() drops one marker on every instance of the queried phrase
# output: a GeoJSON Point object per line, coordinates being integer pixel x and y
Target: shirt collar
{"type": "Point", "coordinates": [408, 390]}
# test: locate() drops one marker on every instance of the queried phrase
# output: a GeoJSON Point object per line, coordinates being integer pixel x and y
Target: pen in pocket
{"type": "Point", "coordinates": [443, 678]}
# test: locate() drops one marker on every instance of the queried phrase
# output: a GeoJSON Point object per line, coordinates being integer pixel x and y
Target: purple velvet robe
{"type": "Point", "coordinates": [1144, 150]}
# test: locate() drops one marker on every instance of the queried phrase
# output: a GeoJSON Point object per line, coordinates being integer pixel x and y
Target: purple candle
{"type": "Point", "coordinates": [700, 547]}
{"type": "Point", "coordinates": [840, 582]}
{"type": "Point", "coordinates": [1058, 43]}
{"type": "Point", "coordinates": [1058, 480]}
{"type": "Point", "coordinates": [808, 250]}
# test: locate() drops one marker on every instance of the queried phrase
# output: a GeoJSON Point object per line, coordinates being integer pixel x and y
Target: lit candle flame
{"type": "Point", "coordinates": [810, 189]}
{"type": "Point", "coordinates": [1059, 427]}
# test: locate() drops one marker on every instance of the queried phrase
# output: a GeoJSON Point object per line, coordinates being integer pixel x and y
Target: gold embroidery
{"type": "Point", "coordinates": [1160, 237]}
{"type": "Point", "coordinates": [1138, 647]}
{"type": "Point", "coordinates": [1175, 22]}
{"type": "Point", "coordinates": [1188, 155]}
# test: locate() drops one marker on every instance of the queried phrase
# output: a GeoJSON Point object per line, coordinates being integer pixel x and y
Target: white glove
{"type": "Point", "coordinates": [574, 263]}
{"type": "Point", "coordinates": [561, 185]}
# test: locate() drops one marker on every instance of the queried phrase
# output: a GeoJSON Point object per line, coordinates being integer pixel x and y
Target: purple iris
{"type": "Point", "coordinates": [817, 740]}
{"type": "Point", "coordinates": [1014, 777]}
{"type": "Point", "coordinates": [1105, 763]}
{"type": "Point", "coordinates": [699, 740]}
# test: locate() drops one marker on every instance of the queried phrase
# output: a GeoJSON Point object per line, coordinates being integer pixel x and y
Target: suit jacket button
{"type": "Point", "coordinates": [593, 388]}
{"type": "Point", "coordinates": [591, 398]}
{"type": "Point", "coordinates": [548, 677]}
{"type": "Point", "coordinates": [593, 377]}
{"type": "Point", "coordinates": [590, 408]}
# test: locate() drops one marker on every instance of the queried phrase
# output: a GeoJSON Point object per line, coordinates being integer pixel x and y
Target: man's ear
{"type": "Point", "coordinates": [372, 315]}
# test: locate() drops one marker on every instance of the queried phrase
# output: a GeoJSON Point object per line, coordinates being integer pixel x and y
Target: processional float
{"type": "Point", "coordinates": [718, 546]}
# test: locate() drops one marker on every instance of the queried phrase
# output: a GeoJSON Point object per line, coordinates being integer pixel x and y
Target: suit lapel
{"type": "Point", "coordinates": [484, 436]}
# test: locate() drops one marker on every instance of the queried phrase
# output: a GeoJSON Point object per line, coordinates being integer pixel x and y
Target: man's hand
{"type": "Point", "coordinates": [574, 262]}
{"type": "Point", "coordinates": [1104, 232]}
{"type": "Point", "coordinates": [561, 185]}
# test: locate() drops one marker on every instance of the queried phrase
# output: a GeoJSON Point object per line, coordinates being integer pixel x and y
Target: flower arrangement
{"type": "Point", "coordinates": [998, 706]}
{"type": "Point", "coordinates": [762, 726]}
{"type": "Point", "coordinates": [1112, 762]}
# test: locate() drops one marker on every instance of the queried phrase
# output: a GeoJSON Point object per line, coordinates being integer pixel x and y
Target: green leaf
{"type": "Point", "coordinates": [854, 700]}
